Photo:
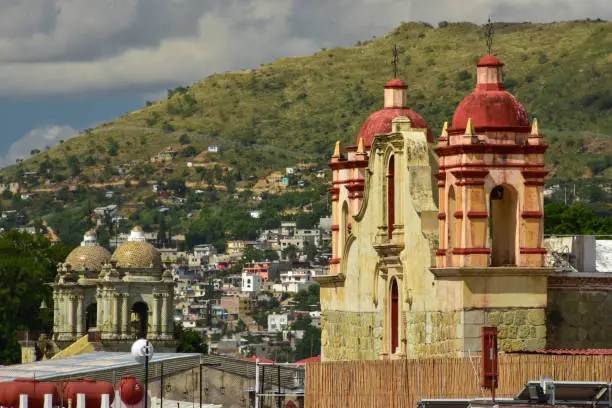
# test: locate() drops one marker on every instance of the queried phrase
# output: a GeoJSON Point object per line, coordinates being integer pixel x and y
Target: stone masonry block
{"type": "Point", "coordinates": [536, 317]}
{"type": "Point", "coordinates": [494, 318]}
{"type": "Point", "coordinates": [474, 317]}
{"type": "Point", "coordinates": [509, 317]}
{"type": "Point", "coordinates": [520, 317]}
{"type": "Point", "coordinates": [523, 332]}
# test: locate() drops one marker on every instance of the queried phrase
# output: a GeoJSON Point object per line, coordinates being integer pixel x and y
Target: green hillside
{"type": "Point", "coordinates": [296, 108]}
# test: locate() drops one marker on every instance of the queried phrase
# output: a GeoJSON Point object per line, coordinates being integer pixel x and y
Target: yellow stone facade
{"type": "Point", "coordinates": [419, 264]}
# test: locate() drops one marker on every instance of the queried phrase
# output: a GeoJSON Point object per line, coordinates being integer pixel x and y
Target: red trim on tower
{"type": "Point", "coordinates": [348, 164]}
{"type": "Point", "coordinates": [534, 183]}
{"type": "Point", "coordinates": [442, 216]}
{"type": "Point", "coordinates": [492, 165]}
{"type": "Point", "coordinates": [484, 129]}
{"type": "Point", "coordinates": [440, 252]}
{"type": "Point", "coordinates": [490, 148]}
{"type": "Point", "coordinates": [334, 261]}
{"type": "Point", "coordinates": [470, 183]}
{"type": "Point", "coordinates": [458, 214]}
{"type": "Point", "coordinates": [541, 251]}
{"type": "Point", "coordinates": [470, 173]}
{"type": "Point", "coordinates": [533, 173]}
{"type": "Point", "coordinates": [532, 214]}
{"type": "Point", "coordinates": [346, 181]}
{"type": "Point", "coordinates": [471, 251]}
{"type": "Point", "coordinates": [441, 175]}
{"type": "Point", "coordinates": [478, 214]}
{"type": "Point", "coordinates": [335, 227]}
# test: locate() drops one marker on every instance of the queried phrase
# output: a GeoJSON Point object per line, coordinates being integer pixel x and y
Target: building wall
{"type": "Point", "coordinates": [438, 315]}
{"type": "Point", "coordinates": [351, 336]}
{"type": "Point", "coordinates": [579, 318]}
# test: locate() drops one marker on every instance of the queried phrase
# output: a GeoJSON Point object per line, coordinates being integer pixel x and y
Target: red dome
{"type": "Point", "coordinates": [490, 106]}
{"type": "Point", "coordinates": [490, 109]}
{"type": "Point", "coordinates": [380, 122]}
{"type": "Point", "coordinates": [396, 83]}
{"type": "Point", "coordinates": [490, 61]}
{"type": "Point", "coordinates": [130, 390]}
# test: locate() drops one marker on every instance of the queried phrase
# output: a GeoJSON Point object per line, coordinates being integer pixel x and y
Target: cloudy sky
{"type": "Point", "coordinates": [69, 64]}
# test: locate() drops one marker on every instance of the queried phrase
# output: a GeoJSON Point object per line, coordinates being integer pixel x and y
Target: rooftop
{"type": "Point", "coordinates": [99, 365]}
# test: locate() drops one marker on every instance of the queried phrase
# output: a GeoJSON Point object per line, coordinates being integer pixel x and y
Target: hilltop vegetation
{"type": "Point", "coordinates": [296, 108]}
{"type": "Point", "coordinates": [293, 109]}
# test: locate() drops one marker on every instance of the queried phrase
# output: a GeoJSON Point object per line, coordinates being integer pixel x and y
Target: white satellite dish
{"type": "Point", "coordinates": [141, 349]}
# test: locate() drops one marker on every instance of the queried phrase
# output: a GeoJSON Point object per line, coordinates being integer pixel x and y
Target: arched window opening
{"type": "Point", "coordinates": [451, 221]}
{"type": "Point", "coordinates": [140, 319]}
{"type": "Point", "coordinates": [394, 317]}
{"type": "Point", "coordinates": [390, 197]}
{"type": "Point", "coordinates": [502, 224]}
{"type": "Point", "coordinates": [91, 314]}
{"type": "Point", "coordinates": [345, 223]}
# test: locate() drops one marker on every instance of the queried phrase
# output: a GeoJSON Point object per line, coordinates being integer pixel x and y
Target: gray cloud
{"type": "Point", "coordinates": [39, 139]}
{"type": "Point", "coordinates": [69, 46]}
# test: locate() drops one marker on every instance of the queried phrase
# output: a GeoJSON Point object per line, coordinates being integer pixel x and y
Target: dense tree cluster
{"type": "Point", "coordinates": [27, 263]}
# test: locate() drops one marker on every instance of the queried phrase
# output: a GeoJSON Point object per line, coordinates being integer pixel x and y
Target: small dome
{"type": "Point", "coordinates": [88, 257]}
{"type": "Point", "coordinates": [490, 105]}
{"type": "Point", "coordinates": [489, 61]}
{"type": "Point", "coordinates": [137, 254]}
{"type": "Point", "coordinates": [396, 83]}
{"type": "Point", "coordinates": [380, 122]}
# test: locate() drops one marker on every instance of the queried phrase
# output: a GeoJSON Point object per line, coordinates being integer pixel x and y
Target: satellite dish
{"type": "Point", "coordinates": [141, 349]}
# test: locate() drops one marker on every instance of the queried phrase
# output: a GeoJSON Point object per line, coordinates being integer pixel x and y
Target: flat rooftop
{"type": "Point", "coordinates": [103, 366]}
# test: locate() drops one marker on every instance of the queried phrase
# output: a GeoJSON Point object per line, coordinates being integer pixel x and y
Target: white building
{"type": "Point", "coordinates": [294, 281]}
{"type": "Point", "coordinates": [251, 283]}
{"type": "Point", "coordinates": [278, 323]}
{"type": "Point", "coordinates": [213, 149]}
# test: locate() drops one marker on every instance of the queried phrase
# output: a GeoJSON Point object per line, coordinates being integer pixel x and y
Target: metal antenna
{"type": "Point", "coordinates": [490, 34]}
{"type": "Point", "coordinates": [395, 60]}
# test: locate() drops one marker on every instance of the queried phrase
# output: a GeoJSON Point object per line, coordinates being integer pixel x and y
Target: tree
{"type": "Point", "coordinates": [290, 252]}
{"type": "Point", "coordinates": [176, 185]}
{"type": "Point", "coordinates": [34, 152]}
{"type": "Point", "coordinates": [27, 263]}
{"type": "Point", "coordinates": [189, 341]}
{"type": "Point", "coordinates": [310, 344]}
{"type": "Point", "coordinates": [113, 147]}
{"type": "Point", "coordinates": [189, 151]}
{"type": "Point", "coordinates": [184, 139]}
{"type": "Point", "coordinates": [240, 326]}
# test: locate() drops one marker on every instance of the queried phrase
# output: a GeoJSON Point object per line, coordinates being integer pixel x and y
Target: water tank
{"type": "Point", "coordinates": [130, 390]}
{"type": "Point", "coordinates": [34, 389]}
{"type": "Point", "coordinates": [93, 391]}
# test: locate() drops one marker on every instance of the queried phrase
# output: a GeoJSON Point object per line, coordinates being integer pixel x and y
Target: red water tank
{"type": "Point", "coordinates": [34, 389]}
{"type": "Point", "coordinates": [130, 390]}
{"type": "Point", "coordinates": [93, 391]}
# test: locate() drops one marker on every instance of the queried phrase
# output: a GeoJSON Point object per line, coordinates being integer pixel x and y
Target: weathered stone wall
{"type": "Point", "coordinates": [579, 319]}
{"type": "Point", "coordinates": [519, 329]}
{"type": "Point", "coordinates": [351, 335]}
{"type": "Point", "coordinates": [432, 333]}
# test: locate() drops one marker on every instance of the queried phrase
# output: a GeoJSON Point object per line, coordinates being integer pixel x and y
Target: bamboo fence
{"type": "Point", "coordinates": [402, 383]}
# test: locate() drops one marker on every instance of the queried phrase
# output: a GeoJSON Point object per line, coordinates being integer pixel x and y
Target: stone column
{"type": "Point", "coordinates": [125, 331]}
{"type": "Point", "coordinates": [99, 310]}
{"type": "Point", "coordinates": [116, 315]}
{"type": "Point", "coordinates": [155, 322]}
{"type": "Point", "coordinates": [164, 314]}
{"type": "Point", "coordinates": [79, 315]}
{"type": "Point", "coordinates": [56, 309]}
{"type": "Point", "coordinates": [71, 312]}
{"type": "Point", "coordinates": [106, 318]}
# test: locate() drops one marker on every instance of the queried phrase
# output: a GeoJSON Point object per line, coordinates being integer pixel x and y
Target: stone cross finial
{"type": "Point", "coordinates": [395, 61]}
{"type": "Point", "coordinates": [490, 34]}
